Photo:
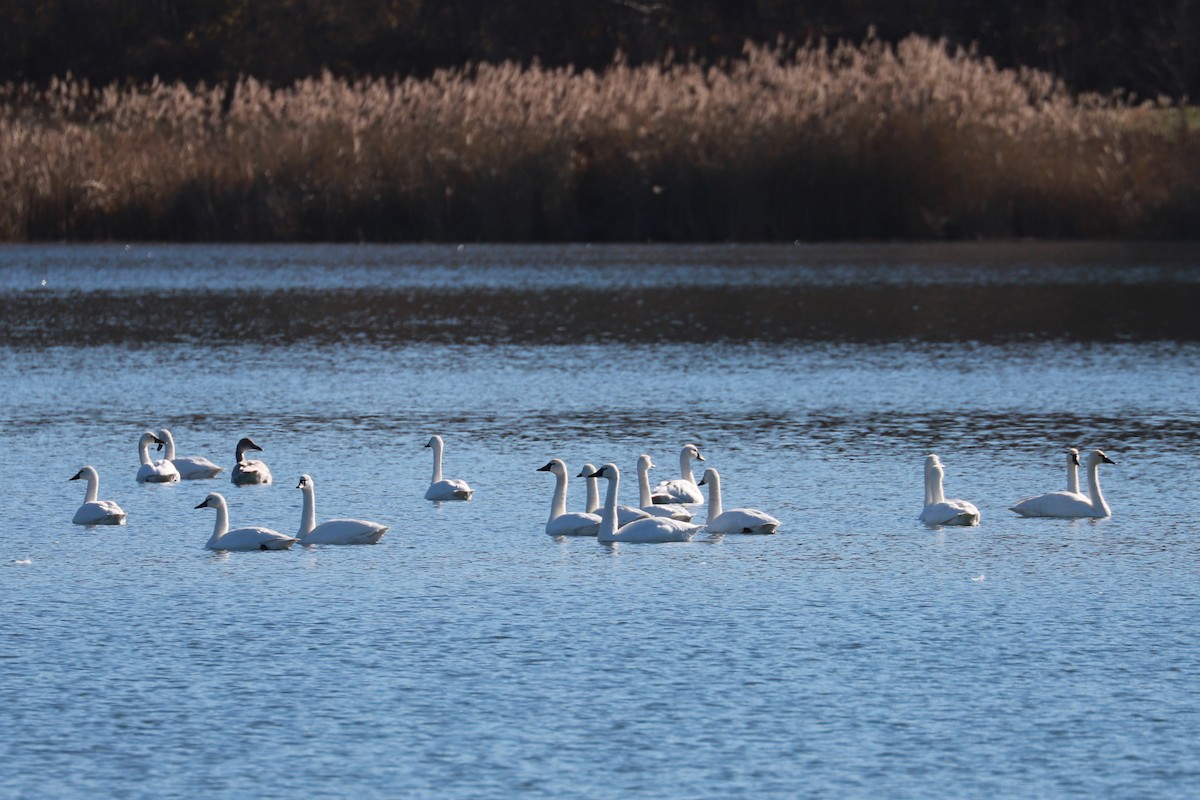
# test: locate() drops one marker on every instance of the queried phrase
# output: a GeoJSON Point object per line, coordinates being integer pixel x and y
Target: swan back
{"type": "Point", "coordinates": [646, 500]}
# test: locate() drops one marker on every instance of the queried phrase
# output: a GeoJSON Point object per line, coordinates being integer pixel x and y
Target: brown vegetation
{"type": "Point", "coordinates": [787, 143]}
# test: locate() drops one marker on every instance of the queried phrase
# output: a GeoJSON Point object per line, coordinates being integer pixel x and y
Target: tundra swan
{"type": "Point", "coordinates": [625, 514]}
{"type": "Point", "coordinates": [563, 522]}
{"type": "Point", "coordinates": [161, 471]}
{"type": "Point", "coordinates": [241, 538]}
{"type": "Point", "coordinates": [334, 531]}
{"type": "Point", "coordinates": [248, 471]}
{"type": "Point", "coordinates": [190, 467]}
{"type": "Point", "coordinates": [93, 511]}
{"type": "Point", "coordinates": [672, 510]}
{"type": "Point", "coordinates": [1068, 504]}
{"type": "Point", "coordinates": [735, 520]}
{"type": "Point", "coordinates": [682, 489]}
{"type": "Point", "coordinates": [652, 530]}
{"type": "Point", "coordinates": [938, 510]}
{"type": "Point", "coordinates": [450, 488]}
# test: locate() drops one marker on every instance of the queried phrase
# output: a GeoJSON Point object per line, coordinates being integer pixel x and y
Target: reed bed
{"type": "Point", "coordinates": [914, 140]}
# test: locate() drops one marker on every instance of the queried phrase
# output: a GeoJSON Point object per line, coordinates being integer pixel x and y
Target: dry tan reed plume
{"type": "Point", "coordinates": [818, 142]}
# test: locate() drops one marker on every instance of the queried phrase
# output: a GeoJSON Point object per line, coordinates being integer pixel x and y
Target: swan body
{"type": "Point", "coordinates": [151, 471]}
{"type": "Point", "coordinates": [646, 501]}
{"type": "Point", "coordinates": [651, 530]}
{"type": "Point", "coordinates": [938, 510]}
{"type": "Point", "coordinates": [248, 471]}
{"type": "Point", "coordinates": [625, 514]}
{"type": "Point", "coordinates": [190, 467]}
{"type": "Point", "coordinates": [93, 511]}
{"type": "Point", "coordinates": [254, 538]}
{"type": "Point", "coordinates": [334, 531]}
{"type": "Point", "coordinates": [683, 489]}
{"type": "Point", "coordinates": [563, 522]}
{"type": "Point", "coordinates": [448, 488]}
{"type": "Point", "coordinates": [1068, 504]}
{"type": "Point", "coordinates": [735, 520]}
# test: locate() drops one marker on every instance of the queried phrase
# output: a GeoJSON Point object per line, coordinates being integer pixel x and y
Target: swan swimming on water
{"type": "Point", "coordinates": [93, 511]}
{"type": "Point", "coordinates": [253, 538]}
{"type": "Point", "coordinates": [190, 467]}
{"type": "Point", "coordinates": [444, 489]}
{"type": "Point", "coordinates": [652, 530]}
{"type": "Point", "coordinates": [248, 471]}
{"type": "Point", "coordinates": [672, 510]}
{"type": "Point", "coordinates": [938, 510]}
{"type": "Point", "coordinates": [334, 531]}
{"type": "Point", "coordinates": [151, 471]}
{"type": "Point", "coordinates": [625, 514]}
{"type": "Point", "coordinates": [682, 489]}
{"type": "Point", "coordinates": [735, 520]}
{"type": "Point", "coordinates": [1072, 505]}
{"type": "Point", "coordinates": [563, 522]}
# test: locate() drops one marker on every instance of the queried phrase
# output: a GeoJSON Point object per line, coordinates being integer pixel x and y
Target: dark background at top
{"type": "Point", "coordinates": [1147, 47]}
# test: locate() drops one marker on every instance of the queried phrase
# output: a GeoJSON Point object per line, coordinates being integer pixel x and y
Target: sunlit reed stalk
{"type": "Point", "coordinates": [818, 142]}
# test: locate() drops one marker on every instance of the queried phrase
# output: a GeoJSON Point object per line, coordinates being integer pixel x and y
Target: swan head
{"type": "Point", "coordinates": [434, 441]}
{"type": "Point", "coordinates": [691, 451]}
{"type": "Point", "coordinates": [214, 500]}
{"type": "Point", "coordinates": [710, 477]}
{"type": "Point", "coordinates": [244, 444]}
{"type": "Point", "coordinates": [556, 466]}
{"type": "Point", "coordinates": [644, 462]}
{"type": "Point", "coordinates": [83, 474]}
{"type": "Point", "coordinates": [609, 471]}
{"type": "Point", "coordinates": [1073, 453]}
{"type": "Point", "coordinates": [148, 439]}
{"type": "Point", "coordinates": [1098, 457]}
{"type": "Point", "coordinates": [587, 471]}
{"type": "Point", "coordinates": [306, 482]}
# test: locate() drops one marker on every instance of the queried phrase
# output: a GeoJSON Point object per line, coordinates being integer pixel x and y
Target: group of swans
{"type": "Point", "coordinates": [652, 520]}
{"type": "Point", "coordinates": [1069, 504]}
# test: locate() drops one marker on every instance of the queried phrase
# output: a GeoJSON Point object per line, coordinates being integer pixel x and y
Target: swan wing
{"type": "Point", "coordinates": [254, 538]}
{"type": "Point", "coordinates": [250, 472]}
{"type": "Point", "coordinates": [1065, 505]}
{"type": "Point", "coordinates": [574, 523]}
{"type": "Point", "coordinates": [627, 514]}
{"type": "Point", "coordinates": [196, 468]}
{"type": "Point", "coordinates": [950, 512]}
{"type": "Point", "coordinates": [449, 489]}
{"type": "Point", "coordinates": [653, 530]}
{"type": "Point", "coordinates": [99, 512]}
{"type": "Point", "coordinates": [676, 491]}
{"type": "Point", "coordinates": [672, 510]}
{"type": "Point", "coordinates": [743, 520]}
{"type": "Point", "coordinates": [161, 471]}
{"type": "Point", "coordinates": [345, 531]}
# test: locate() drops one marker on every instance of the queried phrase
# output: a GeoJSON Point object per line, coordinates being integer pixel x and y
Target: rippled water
{"type": "Point", "coordinates": [855, 654]}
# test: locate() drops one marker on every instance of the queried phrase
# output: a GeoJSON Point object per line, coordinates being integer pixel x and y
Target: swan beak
{"type": "Point", "coordinates": [597, 474]}
{"type": "Point", "coordinates": [1107, 460]}
{"type": "Point", "coordinates": [300, 485]}
{"type": "Point", "coordinates": [204, 504]}
{"type": "Point", "coordinates": [78, 475]}
{"type": "Point", "coordinates": [546, 468]}
{"type": "Point", "coordinates": [698, 456]}
{"type": "Point", "coordinates": [701, 483]}
{"type": "Point", "coordinates": [1075, 459]}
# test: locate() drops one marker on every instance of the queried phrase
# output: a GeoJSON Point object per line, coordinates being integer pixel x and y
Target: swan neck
{"type": "Point", "coordinates": [593, 494]}
{"type": "Point", "coordinates": [93, 487]}
{"type": "Point", "coordinates": [608, 520]}
{"type": "Point", "coordinates": [558, 506]}
{"type": "Point", "coordinates": [936, 493]}
{"type": "Point", "coordinates": [1094, 493]}
{"type": "Point", "coordinates": [1072, 476]}
{"type": "Point", "coordinates": [144, 452]}
{"type": "Point", "coordinates": [685, 467]}
{"type": "Point", "coordinates": [714, 496]}
{"type": "Point", "coordinates": [644, 498]}
{"type": "Point", "coordinates": [437, 462]}
{"type": "Point", "coordinates": [221, 526]}
{"type": "Point", "coordinates": [170, 446]}
{"type": "Point", "coordinates": [308, 517]}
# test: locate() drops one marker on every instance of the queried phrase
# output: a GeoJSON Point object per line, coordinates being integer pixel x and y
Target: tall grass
{"type": "Point", "coordinates": [818, 142]}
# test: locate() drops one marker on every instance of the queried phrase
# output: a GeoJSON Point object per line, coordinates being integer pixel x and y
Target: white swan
{"type": "Point", "coordinates": [938, 510]}
{"type": "Point", "coordinates": [563, 522]}
{"type": "Point", "coordinates": [652, 530]}
{"type": "Point", "coordinates": [334, 531]}
{"type": "Point", "coordinates": [248, 471]}
{"type": "Point", "coordinates": [625, 514]}
{"type": "Point", "coordinates": [1055, 504]}
{"type": "Point", "coordinates": [161, 471]}
{"type": "Point", "coordinates": [190, 467]}
{"type": "Point", "coordinates": [735, 520]}
{"type": "Point", "coordinates": [672, 510]}
{"type": "Point", "coordinates": [449, 488]}
{"type": "Point", "coordinates": [1072, 505]}
{"type": "Point", "coordinates": [241, 538]}
{"type": "Point", "coordinates": [682, 489]}
{"type": "Point", "coordinates": [93, 511]}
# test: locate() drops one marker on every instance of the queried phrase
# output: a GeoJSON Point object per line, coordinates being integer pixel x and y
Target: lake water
{"type": "Point", "coordinates": [855, 654]}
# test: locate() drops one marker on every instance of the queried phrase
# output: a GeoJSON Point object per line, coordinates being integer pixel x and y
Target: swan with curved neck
{"type": "Point", "coordinates": [682, 489]}
{"type": "Point", "coordinates": [151, 471]}
{"type": "Point", "coordinates": [333, 531]}
{"type": "Point", "coordinates": [938, 510]}
{"type": "Point", "coordinates": [448, 488]}
{"type": "Point", "coordinates": [190, 467]}
{"type": "Point", "coordinates": [93, 511]}
{"type": "Point", "coordinates": [563, 522]}
{"type": "Point", "coordinates": [248, 471]}
{"type": "Point", "coordinates": [1072, 505]}
{"type": "Point", "coordinates": [652, 530]}
{"type": "Point", "coordinates": [735, 520]}
{"type": "Point", "coordinates": [253, 538]}
{"type": "Point", "coordinates": [645, 500]}
{"type": "Point", "coordinates": [625, 514]}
